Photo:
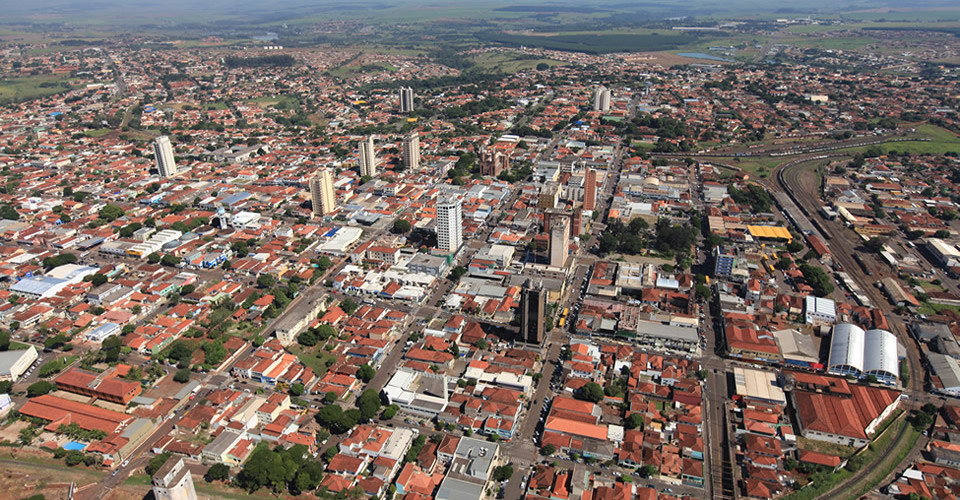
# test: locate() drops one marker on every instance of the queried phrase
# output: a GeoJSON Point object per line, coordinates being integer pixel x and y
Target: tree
{"type": "Point", "coordinates": [921, 420]}
{"type": "Point", "coordinates": [297, 389]}
{"type": "Point", "coordinates": [98, 279]}
{"type": "Point", "coordinates": [170, 260]}
{"type": "Point", "coordinates": [502, 472]}
{"type": "Point", "coordinates": [457, 273]}
{"type": "Point", "coordinates": [153, 258]}
{"type": "Point", "coordinates": [218, 472]}
{"type": "Point", "coordinates": [875, 244]}
{"type": "Point", "coordinates": [308, 338]}
{"type": "Point", "coordinates": [401, 226]}
{"type": "Point", "coordinates": [39, 388]}
{"type": "Point", "coordinates": [6, 386]}
{"type": "Point", "coordinates": [266, 281]}
{"type": "Point", "coordinates": [633, 421]}
{"type": "Point", "coordinates": [366, 372]}
{"type": "Point", "coordinates": [348, 306]}
{"type": "Point", "coordinates": [110, 213]}
{"type": "Point", "coordinates": [481, 344]}
{"type": "Point", "coordinates": [789, 464]}
{"type": "Point", "coordinates": [330, 397]}
{"type": "Point", "coordinates": [73, 457]}
{"type": "Point", "coordinates": [4, 342]}
{"type": "Point", "coordinates": [548, 450]}
{"type": "Point", "coordinates": [369, 404]}
{"type": "Point", "coordinates": [591, 391]}
{"type": "Point", "coordinates": [182, 375]}
{"type": "Point", "coordinates": [647, 471]}
{"type": "Point", "coordinates": [156, 463]}
{"type": "Point", "coordinates": [389, 412]}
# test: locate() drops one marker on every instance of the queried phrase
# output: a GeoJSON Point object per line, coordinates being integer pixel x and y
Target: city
{"type": "Point", "coordinates": [549, 254]}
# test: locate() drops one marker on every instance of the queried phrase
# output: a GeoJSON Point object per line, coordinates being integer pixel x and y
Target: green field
{"type": "Point", "coordinates": [510, 62]}
{"type": "Point", "coordinates": [279, 102]}
{"type": "Point", "coordinates": [314, 357]}
{"type": "Point", "coordinates": [55, 365]}
{"type": "Point", "coordinates": [31, 87]}
{"type": "Point", "coordinates": [600, 43]}
{"type": "Point", "coordinates": [348, 72]}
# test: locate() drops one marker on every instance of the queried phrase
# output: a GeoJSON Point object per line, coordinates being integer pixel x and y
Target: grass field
{"type": "Point", "coordinates": [755, 166]}
{"type": "Point", "coordinates": [290, 102]}
{"type": "Point", "coordinates": [96, 133]}
{"type": "Point", "coordinates": [825, 447]}
{"type": "Point", "coordinates": [31, 87]}
{"type": "Point", "coordinates": [55, 365]}
{"type": "Point", "coordinates": [509, 63]}
{"type": "Point", "coordinates": [315, 357]}
{"type": "Point", "coordinates": [347, 72]}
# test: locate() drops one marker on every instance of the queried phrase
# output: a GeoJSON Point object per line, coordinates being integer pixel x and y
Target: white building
{"type": "Point", "coordinates": [13, 364]}
{"type": "Point", "coordinates": [450, 224]}
{"type": "Point", "coordinates": [419, 393]}
{"type": "Point", "coordinates": [57, 279]}
{"type": "Point", "coordinates": [102, 332]}
{"type": "Point", "coordinates": [818, 310]}
{"type": "Point", "coordinates": [601, 99]}
{"type": "Point", "coordinates": [173, 481]}
{"type": "Point", "coordinates": [322, 195]}
{"type": "Point", "coordinates": [163, 153]}
{"type": "Point", "coordinates": [406, 99]}
{"type": "Point", "coordinates": [946, 254]}
{"type": "Point", "coordinates": [411, 151]}
{"type": "Point", "coordinates": [864, 353]}
{"type": "Point", "coordinates": [368, 157]}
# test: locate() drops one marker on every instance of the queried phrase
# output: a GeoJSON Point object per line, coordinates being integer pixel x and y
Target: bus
{"type": "Point", "coordinates": [565, 311]}
{"type": "Point", "coordinates": [561, 322]}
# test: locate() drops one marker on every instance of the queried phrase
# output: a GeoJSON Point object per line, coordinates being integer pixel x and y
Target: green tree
{"type": "Point", "coordinates": [457, 273]}
{"type": "Point", "coordinates": [633, 421]}
{"type": "Point", "coordinates": [401, 226]}
{"type": "Point", "coordinates": [218, 472]}
{"type": "Point", "coordinates": [266, 281]}
{"type": "Point", "coordinates": [39, 388]}
{"type": "Point", "coordinates": [369, 404]}
{"type": "Point", "coordinates": [591, 391]}
{"type": "Point", "coordinates": [348, 306]}
{"type": "Point", "coordinates": [548, 450]}
{"type": "Point", "coordinates": [156, 463]}
{"type": "Point", "coordinates": [153, 258]}
{"type": "Point", "coordinates": [182, 375]}
{"type": "Point", "coordinates": [297, 389]}
{"type": "Point", "coordinates": [366, 372]}
{"type": "Point", "coordinates": [110, 213]}
{"type": "Point", "coordinates": [502, 472]}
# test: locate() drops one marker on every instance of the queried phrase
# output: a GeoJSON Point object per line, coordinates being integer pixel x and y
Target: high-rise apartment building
{"type": "Point", "coordinates": [601, 99]}
{"type": "Point", "coordinates": [411, 151]}
{"type": "Point", "coordinates": [368, 157]}
{"type": "Point", "coordinates": [590, 190]}
{"type": "Point", "coordinates": [406, 99]}
{"type": "Point", "coordinates": [559, 241]}
{"type": "Point", "coordinates": [449, 224]}
{"type": "Point", "coordinates": [322, 195]}
{"type": "Point", "coordinates": [163, 152]}
{"type": "Point", "coordinates": [533, 312]}
{"type": "Point", "coordinates": [549, 195]}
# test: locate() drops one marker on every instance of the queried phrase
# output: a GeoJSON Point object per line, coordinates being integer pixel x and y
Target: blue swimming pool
{"type": "Point", "coordinates": [73, 445]}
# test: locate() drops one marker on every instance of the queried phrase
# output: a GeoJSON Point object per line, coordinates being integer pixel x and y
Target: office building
{"type": "Point", "coordinates": [559, 241]}
{"type": "Point", "coordinates": [406, 99]}
{"type": "Point", "coordinates": [549, 195]}
{"type": "Point", "coordinates": [322, 196]}
{"type": "Point", "coordinates": [601, 99]}
{"type": "Point", "coordinates": [368, 158]}
{"type": "Point", "coordinates": [411, 151]}
{"type": "Point", "coordinates": [449, 224]}
{"type": "Point", "coordinates": [173, 481]}
{"type": "Point", "coordinates": [590, 190]}
{"type": "Point", "coordinates": [163, 152]}
{"type": "Point", "coordinates": [533, 312]}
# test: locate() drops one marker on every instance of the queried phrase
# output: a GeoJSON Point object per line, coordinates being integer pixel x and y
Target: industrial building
{"type": "Point", "coordinates": [860, 353]}
{"type": "Point", "coordinates": [13, 364]}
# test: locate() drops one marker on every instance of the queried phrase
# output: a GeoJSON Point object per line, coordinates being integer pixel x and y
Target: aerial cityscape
{"type": "Point", "coordinates": [460, 250]}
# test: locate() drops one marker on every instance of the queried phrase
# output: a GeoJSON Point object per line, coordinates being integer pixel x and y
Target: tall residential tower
{"type": "Point", "coordinates": [406, 99]}
{"type": "Point", "coordinates": [321, 193]}
{"type": "Point", "coordinates": [163, 152]}
{"type": "Point", "coordinates": [368, 157]}
{"type": "Point", "coordinates": [533, 312]}
{"type": "Point", "coordinates": [449, 224]}
{"type": "Point", "coordinates": [411, 151]}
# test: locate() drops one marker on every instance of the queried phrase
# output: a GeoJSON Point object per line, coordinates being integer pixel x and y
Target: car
{"type": "Point", "coordinates": [125, 463]}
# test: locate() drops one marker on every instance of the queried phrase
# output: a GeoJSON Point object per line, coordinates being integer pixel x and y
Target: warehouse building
{"type": "Point", "coordinates": [864, 353]}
